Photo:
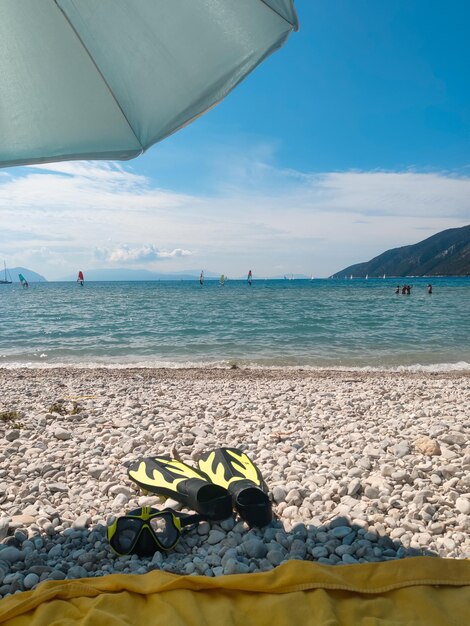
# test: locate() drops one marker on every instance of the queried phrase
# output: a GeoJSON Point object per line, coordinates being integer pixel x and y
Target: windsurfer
{"type": "Point", "coordinates": [23, 281]}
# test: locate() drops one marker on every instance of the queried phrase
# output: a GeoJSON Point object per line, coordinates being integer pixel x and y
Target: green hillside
{"type": "Point", "coordinates": [445, 254]}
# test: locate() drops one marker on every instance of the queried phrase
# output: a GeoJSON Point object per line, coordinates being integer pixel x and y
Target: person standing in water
{"type": "Point", "coordinates": [430, 289]}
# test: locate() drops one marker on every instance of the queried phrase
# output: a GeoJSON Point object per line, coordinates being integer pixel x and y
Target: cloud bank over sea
{"type": "Point", "coordinates": [275, 219]}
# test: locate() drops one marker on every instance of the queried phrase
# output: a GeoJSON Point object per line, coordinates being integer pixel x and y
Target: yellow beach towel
{"type": "Point", "coordinates": [420, 591]}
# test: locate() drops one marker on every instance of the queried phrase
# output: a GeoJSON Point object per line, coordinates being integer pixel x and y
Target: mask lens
{"type": "Point", "coordinates": [159, 524]}
{"type": "Point", "coordinates": [127, 532]}
{"type": "Point", "coordinates": [165, 530]}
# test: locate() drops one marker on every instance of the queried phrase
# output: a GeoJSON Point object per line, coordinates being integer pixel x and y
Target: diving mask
{"type": "Point", "coordinates": [144, 531]}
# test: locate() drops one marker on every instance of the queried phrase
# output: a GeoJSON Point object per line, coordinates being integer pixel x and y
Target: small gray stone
{"type": "Point", "coordinates": [117, 489]}
{"type": "Point", "coordinates": [215, 536]}
{"type": "Point", "coordinates": [96, 471]}
{"type": "Point", "coordinates": [120, 500]}
{"type": "Point", "coordinates": [275, 557]}
{"type": "Point", "coordinates": [400, 449]}
{"type": "Point", "coordinates": [30, 581]}
{"type": "Point", "coordinates": [290, 512]}
{"type": "Point", "coordinates": [11, 554]}
{"type": "Point", "coordinates": [77, 571]}
{"type": "Point", "coordinates": [81, 522]}
{"type": "Point", "coordinates": [371, 492]}
{"type": "Point", "coordinates": [279, 494]}
{"type": "Point", "coordinates": [4, 525]}
{"type": "Point", "coordinates": [255, 548]}
{"type": "Point", "coordinates": [344, 549]}
{"type": "Point", "coordinates": [20, 536]}
{"type": "Point", "coordinates": [463, 505]}
{"type": "Point", "coordinates": [349, 559]}
{"type": "Point", "coordinates": [294, 497]}
{"type": "Point", "coordinates": [157, 559]}
{"type": "Point", "coordinates": [319, 551]}
{"type": "Point", "coordinates": [338, 521]}
{"type": "Point", "coordinates": [55, 551]}
{"type": "Point", "coordinates": [203, 528]}
{"type": "Point", "coordinates": [62, 434]}
{"type": "Point", "coordinates": [227, 524]}
{"type": "Point", "coordinates": [12, 435]}
{"type": "Point", "coordinates": [340, 531]}
{"type": "Point", "coordinates": [56, 574]}
{"type": "Point", "coordinates": [232, 566]}
{"type": "Point", "coordinates": [128, 446]}
{"type": "Point", "coordinates": [55, 487]}
{"type": "Point", "coordinates": [354, 487]}
{"type": "Point", "coordinates": [455, 438]}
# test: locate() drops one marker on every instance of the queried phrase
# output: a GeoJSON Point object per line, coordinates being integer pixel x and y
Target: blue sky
{"type": "Point", "coordinates": [352, 139]}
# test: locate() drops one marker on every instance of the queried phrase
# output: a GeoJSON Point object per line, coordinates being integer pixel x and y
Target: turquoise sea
{"type": "Point", "coordinates": [308, 323]}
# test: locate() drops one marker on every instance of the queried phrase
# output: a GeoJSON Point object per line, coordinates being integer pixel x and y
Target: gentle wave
{"type": "Point", "coordinates": [321, 324]}
{"type": "Point", "coordinates": [461, 366]}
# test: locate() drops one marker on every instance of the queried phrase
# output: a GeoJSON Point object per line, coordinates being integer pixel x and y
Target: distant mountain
{"type": "Point", "coordinates": [445, 254]}
{"type": "Point", "coordinates": [131, 274]}
{"type": "Point", "coordinates": [31, 277]}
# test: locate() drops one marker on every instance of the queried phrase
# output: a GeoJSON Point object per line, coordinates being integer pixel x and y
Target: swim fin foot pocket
{"type": "Point", "coordinates": [232, 469]}
{"type": "Point", "coordinates": [174, 479]}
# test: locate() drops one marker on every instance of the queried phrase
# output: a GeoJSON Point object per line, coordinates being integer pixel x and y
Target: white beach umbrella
{"type": "Point", "coordinates": [106, 79]}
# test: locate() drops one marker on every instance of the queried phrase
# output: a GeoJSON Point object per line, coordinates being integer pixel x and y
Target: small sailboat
{"type": "Point", "coordinates": [367, 276]}
{"type": "Point", "coordinates": [7, 278]}
{"type": "Point", "coordinates": [201, 278]}
{"type": "Point", "coordinates": [80, 278]}
{"type": "Point", "coordinates": [222, 280]}
{"type": "Point", "coordinates": [250, 278]}
{"type": "Point", "coordinates": [384, 275]}
{"type": "Point", "coordinates": [23, 281]}
{"type": "Point", "coordinates": [351, 277]}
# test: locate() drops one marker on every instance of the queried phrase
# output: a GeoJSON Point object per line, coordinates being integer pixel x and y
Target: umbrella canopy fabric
{"type": "Point", "coordinates": [106, 79]}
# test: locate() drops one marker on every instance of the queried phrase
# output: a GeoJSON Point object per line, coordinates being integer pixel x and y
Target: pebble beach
{"type": "Point", "coordinates": [361, 466]}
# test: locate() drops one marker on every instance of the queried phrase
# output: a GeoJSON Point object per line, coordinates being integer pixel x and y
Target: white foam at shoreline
{"type": "Point", "coordinates": [460, 366]}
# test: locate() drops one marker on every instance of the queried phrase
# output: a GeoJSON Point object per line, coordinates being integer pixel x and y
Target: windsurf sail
{"type": "Point", "coordinates": [201, 278]}
{"type": "Point", "coordinates": [23, 281]}
{"type": "Point", "coordinates": [222, 279]}
{"type": "Point", "coordinates": [80, 278]}
{"type": "Point", "coordinates": [250, 277]}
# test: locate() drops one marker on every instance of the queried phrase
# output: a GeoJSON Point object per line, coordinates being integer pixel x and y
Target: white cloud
{"type": "Point", "coordinates": [82, 188]}
{"type": "Point", "coordinates": [142, 254]}
{"type": "Point", "coordinates": [410, 194]}
{"type": "Point", "coordinates": [275, 220]}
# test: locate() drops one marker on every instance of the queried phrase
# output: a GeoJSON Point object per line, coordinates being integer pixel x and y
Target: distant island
{"type": "Point", "coordinates": [445, 254]}
{"type": "Point", "coordinates": [31, 277]}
